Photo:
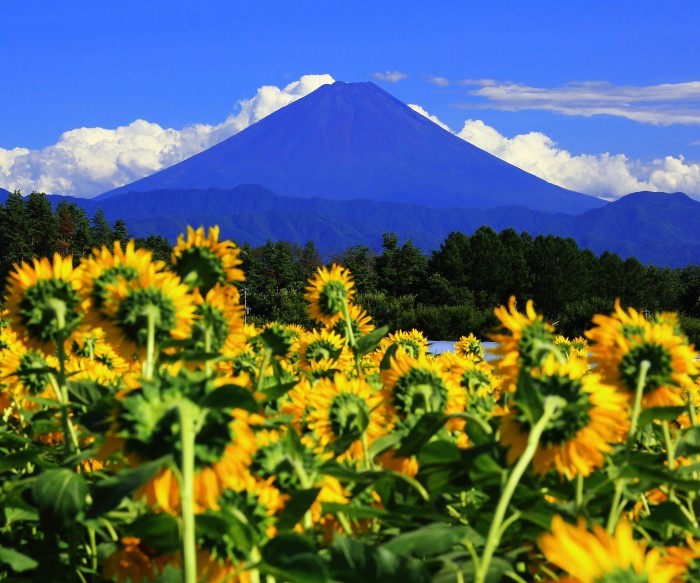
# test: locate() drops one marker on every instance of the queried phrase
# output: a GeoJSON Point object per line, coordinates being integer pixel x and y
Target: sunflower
{"type": "Point", "coordinates": [129, 304]}
{"type": "Point", "coordinates": [478, 379]}
{"type": "Point", "coordinates": [420, 385]}
{"type": "Point", "coordinates": [577, 348]}
{"type": "Point", "coordinates": [346, 411]}
{"type": "Point", "coordinates": [25, 372]}
{"type": "Point", "coordinates": [202, 260]}
{"type": "Point", "coordinates": [104, 266]}
{"type": "Point", "coordinates": [413, 343]}
{"type": "Point", "coordinates": [43, 301]}
{"type": "Point", "coordinates": [212, 477]}
{"type": "Point", "coordinates": [329, 293]}
{"type": "Point", "coordinates": [359, 320]}
{"type": "Point", "coordinates": [529, 341]}
{"type": "Point", "coordinates": [621, 342]}
{"type": "Point", "coordinates": [577, 439]}
{"type": "Point", "coordinates": [219, 321]}
{"type": "Point", "coordinates": [134, 561]}
{"type": "Point", "coordinates": [470, 346]}
{"type": "Point", "coordinates": [599, 557]}
{"type": "Point", "coordinates": [322, 346]}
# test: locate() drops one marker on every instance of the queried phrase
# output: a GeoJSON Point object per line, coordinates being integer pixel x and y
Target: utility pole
{"type": "Point", "coordinates": [245, 305]}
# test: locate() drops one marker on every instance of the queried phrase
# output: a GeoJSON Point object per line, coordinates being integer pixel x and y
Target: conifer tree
{"type": "Point", "coordinates": [102, 233]}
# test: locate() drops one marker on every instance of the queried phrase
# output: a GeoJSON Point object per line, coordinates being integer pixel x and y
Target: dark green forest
{"type": "Point", "coordinates": [446, 293]}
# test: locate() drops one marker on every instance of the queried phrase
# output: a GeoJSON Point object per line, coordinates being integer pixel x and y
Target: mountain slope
{"type": "Point", "coordinates": [653, 227]}
{"type": "Point", "coordinates": [354, 140]}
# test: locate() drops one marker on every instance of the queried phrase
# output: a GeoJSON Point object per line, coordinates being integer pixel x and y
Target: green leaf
{"type": "Point", "coordinates": [109, 493]}
{"type": "Point", "coordinates": [355, 562]}
{"type": "Point", "coordinates": [86, 392]}
{"type": "Point", "coordinates": [17, 561]}
{"type": "Point", "coordinates": [18, 459]}
{"type": "Point", "coordinates": [530, 401]}
{"type": "Point", "coordinates": [60, 495]}
{"type": "Point", "coordinates": [231, 397]}
{"type": "Point", "coordinates": [291, 557]}
{"type": "Point", "coordinates": [295, 508]}
{"type": "Point", "coordinates": [388, 355]}
{"type": "Point", "coordinates": [660, 414]}
{"type": "Point", "coordinates": [424, 429]}
{"type": "Point", "coordinates": [689, 443]}
{"type": "Point", "coordinates": [159, 531]}
{"type": "Point", "coordinates": [433, 539]}
{"type": "Point", "coordinates": [355, 511]}
{"type": "Point", "coordinates": [276, 391]}
{"type": "Point", "coordinates": [369, 342]}
{"type": "Point", "coordinates": [276, 340]}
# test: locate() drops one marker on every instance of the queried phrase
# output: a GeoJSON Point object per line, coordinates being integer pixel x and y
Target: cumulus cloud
{"type": "Point", "coordinates": [606, 175]}
{"type": "Point", "coordinates": [390, 76]}
{"type": "Point", "coordinates": [664, 104]}
{"type": "Point", "coordinates": [88, 161]}
{"type": "Point", "coordinates": [433, 118]}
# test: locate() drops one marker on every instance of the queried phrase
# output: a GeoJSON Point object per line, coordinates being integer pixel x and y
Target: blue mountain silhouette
{"type": "Point", "coordinates": [354, 140]}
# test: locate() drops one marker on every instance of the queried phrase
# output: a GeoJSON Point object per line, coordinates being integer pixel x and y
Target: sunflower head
{"type": "Point", "coordinates": [626, 339]}
{"type": "Point", "coordinates": [599, 557]}
{"type": "Point", "coordinates": [218, 319]}
{"type": "Point", "coordinates": [328, 294]}
{"type": "Point", "coordinates": [592, 417]}
{"type": "Point", "coordinates": [359, 320]}
{"type": "Point", "coordinates": [202, 260]}
{"type": "Point", "coordinates": [529, 341]}
{"type": "Point", "coordinates": [470, 346]}
{"type": "Point", "coordinates": [414, 343]}
{"type": "Point", "coordinates": [44, 300]}
{"type": "Point", "coordinates": [155, 298]}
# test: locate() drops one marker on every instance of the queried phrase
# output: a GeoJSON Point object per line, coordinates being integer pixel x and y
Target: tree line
{"type": "Point", "coordinates": [446, 293]}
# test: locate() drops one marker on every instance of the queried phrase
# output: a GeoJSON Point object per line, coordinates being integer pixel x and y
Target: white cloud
{"type": "Point", "coordinates": [433, 118]}
{"type": "Point", "coordinates": [390, 76]}
{"type": "Point", "coordinates": [664, 104]}
{"type": "Point", "coordinates": [439, 81]}
{"type": "Point", "coordinates": [88, 161]}
{"type": "Point", "coordinates": [605, 175]}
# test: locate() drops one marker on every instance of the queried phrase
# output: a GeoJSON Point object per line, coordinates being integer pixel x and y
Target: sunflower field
{"type": "Point", "coordinates": [149, 434]}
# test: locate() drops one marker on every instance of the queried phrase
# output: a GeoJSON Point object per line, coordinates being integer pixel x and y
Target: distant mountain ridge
{"type": "Point", "coordinates": [654, 227]}
{"type": "Point", "coordinates": [348, 141]}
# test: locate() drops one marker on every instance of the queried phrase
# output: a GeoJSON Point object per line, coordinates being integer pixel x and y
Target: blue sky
{"type": "Point", "coordinates": [584, 79]}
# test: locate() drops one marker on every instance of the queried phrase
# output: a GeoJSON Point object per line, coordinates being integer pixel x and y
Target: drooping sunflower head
{"type": "Point", "coordinates": [599, 557]}
{"type": "Point", "coordinates": [477, 378]}
{"type": "Point", "coordinates": [529, 341]}
{"type": "Point", "coordinates": [418, 386]}
{"type": "Point", "coordinates": [157, 299]}
{"type": "Point", "coordinates": [342, 411]}
{"type": "Point", "coordinates": [218, 320]}
{"type": "Point", "coordinates": [414, 343]}
{"type": "Point", "coordinates": [359, 320]}
{"type": "Point", "coordinates": [202, 260]}
{"type": "Point", "coordinates": [329, 292]}
{"type": "Point", "coordinates": [322, 346]}
{"type": "Point", "coordinates": [26, 373]}
{"type": "Point", "coordinates": [592, 418]}
{"type": "Point", "coordinates": [470, 346]}
{"type": "Point", "coordinates": [44, 300]}
{"type": "Point", "coordinates": [623, 341]}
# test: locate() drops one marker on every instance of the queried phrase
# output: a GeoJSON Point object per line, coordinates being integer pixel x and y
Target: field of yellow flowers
{"type": "Point", "coordinates": [149, 434]}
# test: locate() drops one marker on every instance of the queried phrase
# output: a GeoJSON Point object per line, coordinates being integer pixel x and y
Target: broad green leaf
{"type": "Point", "coordinates": [108, 494]}
{"type": "Point", "coordinates": [295, 508]}
{"type": "Point", "coordinates": [159, 531]}
{"type": "Point", "coordinates": [369, 342]}
{"type": "Point", "coordinates": [660, 414]}
{"type": "Point", "coordinates": [424, 429]}
{"type": "Point", "coordinates": [60, 495]}
{"type": "Point", "coordinates": [291, 557]}
{"type": "Point", "coordinates": [231, 397]}
{"type": "Point", "coordinates": [17, 561]}
{"type": "Point", "coordinates": [433, 539]}
{"type": "Point", "coordinates": [689, 443]}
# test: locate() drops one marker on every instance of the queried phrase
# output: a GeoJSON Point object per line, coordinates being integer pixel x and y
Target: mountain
{"type": "Point", "coordinates": [350, 141]}
{"type": "Point", "coordinates": [654, 227]}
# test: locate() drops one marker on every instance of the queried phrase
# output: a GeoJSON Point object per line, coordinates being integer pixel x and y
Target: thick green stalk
{"type": "Point", "coordinates": [187, 439]}
{"type": "Point", "coordinates": [638, 394]}
{"type": "Point", "coordinates": [551, 404]}
{"type": "Point", "coordinates": [149, 367]}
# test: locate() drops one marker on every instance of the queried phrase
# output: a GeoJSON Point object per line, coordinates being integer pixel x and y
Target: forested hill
{"type": "Point", "coordinates": [447, 292]}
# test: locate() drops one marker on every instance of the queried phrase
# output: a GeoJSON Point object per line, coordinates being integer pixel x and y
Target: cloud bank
{"type": "Point", "coordinates": [89, 161]}
{"type": "Point", "coordinates": [664, 104]}
{"type": "Point", "coordinates": [390, 76]}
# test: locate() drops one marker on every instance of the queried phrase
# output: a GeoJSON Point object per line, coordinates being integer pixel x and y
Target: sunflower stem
{"type": "Point", "coordinates": [187, 440]}
{"type": "Point", "coordinates": [261, 373]}
{"type": "Point", "coordinates": [551, 404]}
{"type": "Point", "coordinates": [254, 573]}
{"type": "Point", "coordinates": [60, 387]}
{"type": "Point", "coordinates": [637, 407]}
{"type": "Point", "coordinates": [579, 491]}
{"type": "Point", "coordinates": [150, 343]}
{"type": "Point", "coordinates": [670, 449]}
{"type": "Point", "coordinates": [614, 507]}
{"type": "Point", "coordinates": [691, 411]}
{"type": "Point", "coordinates": [207, 349]}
